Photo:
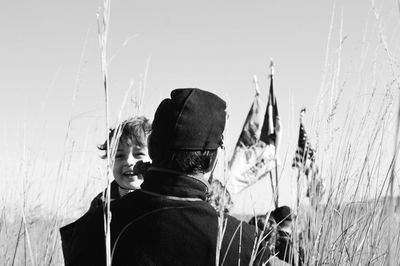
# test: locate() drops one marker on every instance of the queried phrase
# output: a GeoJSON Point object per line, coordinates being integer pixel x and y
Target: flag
{"type": "Point", "coordinates": [271, 125]}
{"type": "Point", "coordinates": [304, 157]}
{"type": "Point", "coordinates": [304, 160]}
{"type": "Point", "coordinates": [254, 154]}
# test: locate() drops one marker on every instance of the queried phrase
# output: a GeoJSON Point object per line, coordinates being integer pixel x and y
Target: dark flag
{"type": "Point", "coordinates": [254, 154]}
{"type": "Point", "coordinates": [271, 125]}
{"type": "Point", "coordinates": [304, 157]}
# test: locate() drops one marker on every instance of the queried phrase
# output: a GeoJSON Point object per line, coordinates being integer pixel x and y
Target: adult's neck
{"type": "Point", "coordinates": [174, 183]}
{"type": "Point", "coordinates": [203, 177]}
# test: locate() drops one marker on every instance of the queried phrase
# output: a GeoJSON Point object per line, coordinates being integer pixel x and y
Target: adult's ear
{"type": "Point", "coordinates": [153, 148]}
{"type": "Point", "coordinates": [209, 174]}
{"type": "Point", "coordinates": [149, 146]}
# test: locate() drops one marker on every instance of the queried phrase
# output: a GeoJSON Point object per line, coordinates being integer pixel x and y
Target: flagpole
{"type": "Point", "coordinates": [256, 85]}
{"type": "Point", "coordinates": [273, 188]}
{"type": "Point", "coordinates": [299, 171]}
{"type": "Point", "coordinates": [270, 174]}
{"type": "Point", "coordinates": [276, 200]}
{"type": "Point", "coordinates": [295, 236]}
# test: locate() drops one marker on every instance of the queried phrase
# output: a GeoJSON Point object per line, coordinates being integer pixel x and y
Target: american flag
{"type": "Point", "coordinates": [305, 155]}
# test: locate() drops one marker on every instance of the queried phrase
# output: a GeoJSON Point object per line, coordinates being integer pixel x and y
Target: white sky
{"type": "Point", "coordinates": [49, 49]}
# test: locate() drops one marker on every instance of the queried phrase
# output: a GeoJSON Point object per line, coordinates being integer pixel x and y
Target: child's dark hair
{"type": "Point", "coordinates": [135, 129]}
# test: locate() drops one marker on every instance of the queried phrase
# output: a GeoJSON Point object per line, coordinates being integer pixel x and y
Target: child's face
{"type": "Point", "coordinates": [125, 159]}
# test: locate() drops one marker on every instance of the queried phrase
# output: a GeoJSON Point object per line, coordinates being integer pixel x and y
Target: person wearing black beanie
{"type": "Point", "coordinates": [168, 221]}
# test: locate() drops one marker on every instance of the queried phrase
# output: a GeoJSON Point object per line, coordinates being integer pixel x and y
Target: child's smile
{"type": "Point", "coordinates": [124, 166]}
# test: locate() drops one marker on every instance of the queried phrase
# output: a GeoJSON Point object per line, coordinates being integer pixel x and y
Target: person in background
{"type": "Point", "coordinates": [266, 229]}
{"type": "Point", "coordinates": [284, 248]}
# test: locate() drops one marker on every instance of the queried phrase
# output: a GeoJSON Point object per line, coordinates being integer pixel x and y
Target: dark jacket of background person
{"type": "Point", "coordinates": [284, 246]}
{"type": "Point", "coordinates": [151, 229]}
{"type": "Point", "coordinates": [266, 230]}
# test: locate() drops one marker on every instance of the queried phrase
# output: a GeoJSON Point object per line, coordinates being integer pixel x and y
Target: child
{"type": "Point", "coordinates": [131, 162]}
{"type": "Point", "coordinates": [131, 158]}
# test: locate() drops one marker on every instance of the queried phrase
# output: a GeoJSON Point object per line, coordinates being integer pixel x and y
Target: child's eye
{"type": "Point", "coordinates": [119, 156]}
{"type": "Point", "coordinates": [139, 155]}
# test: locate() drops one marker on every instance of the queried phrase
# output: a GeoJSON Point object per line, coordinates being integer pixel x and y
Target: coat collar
{"type": "Point", "coordinates": [172, 183]}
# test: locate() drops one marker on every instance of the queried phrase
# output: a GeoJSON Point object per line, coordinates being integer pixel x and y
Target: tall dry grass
{"type": "Point", "coordinates": [354, 128]}
{"type": "Point", "coordinates": [356, 221]}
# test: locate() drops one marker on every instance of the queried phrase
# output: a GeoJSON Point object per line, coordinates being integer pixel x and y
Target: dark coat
{"type": "Point", "coordinates": [67, 231]}
{"type": "Point", "coordinates": [166, 223]}
{"type": "Point", "coordinates": [98, 201]}
{"type": "Point", "coordinates": [284, 248]}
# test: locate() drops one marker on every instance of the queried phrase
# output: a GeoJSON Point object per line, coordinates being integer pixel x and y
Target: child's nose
{"type": "Point", "coordinates": [131, 160]}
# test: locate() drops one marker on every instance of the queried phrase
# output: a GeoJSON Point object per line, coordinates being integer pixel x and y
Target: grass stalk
{"type": "Point", "coordinates": [103, 19]}
{"type": "Point", "coordinates": [27, 239]}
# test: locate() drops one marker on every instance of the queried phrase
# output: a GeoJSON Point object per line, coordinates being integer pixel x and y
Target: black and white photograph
{"type": "Point", "coordinates": [171, 132]}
